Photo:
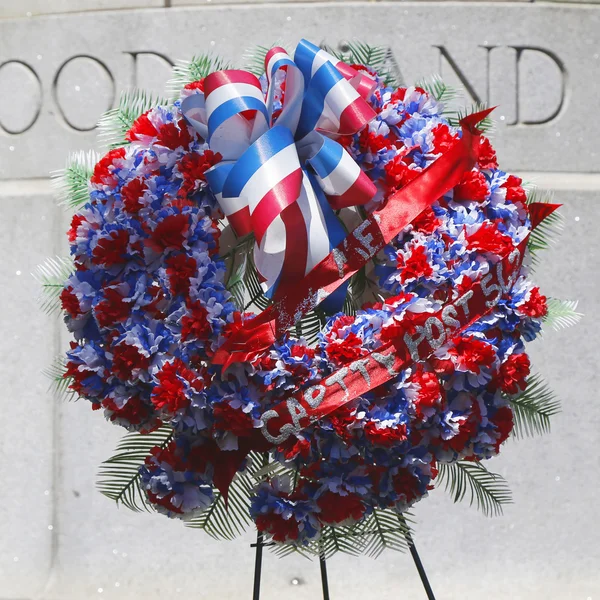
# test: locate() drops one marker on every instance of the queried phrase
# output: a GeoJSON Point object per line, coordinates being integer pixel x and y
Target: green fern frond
{"type": "Point", "coordinates": [119, 477]}
{"type": "Point", "coordinates": [52, 275]}
{"type": "Point", "coordinates": [562, 313]}
{"type": "Point", "coordinates": [486, 125]}
{"type": "Point", "coordinates": [188, 71]}
{"type": "Point", "coordinates": [115, 123]}
{"type": "Point", "coordinates": [71, 183]}
{"type": "Point", "coordinates": [383, 530]}
{"type": "Point", "coordinates": [441, 91]}
{"type": "Point", "coordinates": [542, 237]}
{"type": "Point", "coordinates": [533, 409]}
{"type": "Point", "coordinates": [488, 490]}
{"type": "Point", "coordinates": [59, 382]}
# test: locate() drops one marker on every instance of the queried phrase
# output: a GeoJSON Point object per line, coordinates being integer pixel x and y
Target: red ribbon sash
{"type": "Point", "coordinates": [292, 300]}
{"type": "Point", "coordinates": [294, 414]}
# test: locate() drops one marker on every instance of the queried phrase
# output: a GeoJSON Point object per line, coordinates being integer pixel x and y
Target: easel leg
{"type": "Point", "coordinates": [258, 565]}
{"type": "Point", "coordinates": [417, 560]}
{"type": "Point", "coordinates": [324, 581]}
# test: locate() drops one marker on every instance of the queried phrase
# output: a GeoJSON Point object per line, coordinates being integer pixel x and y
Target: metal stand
{"type": "Point", "coordinates": [323, 565]}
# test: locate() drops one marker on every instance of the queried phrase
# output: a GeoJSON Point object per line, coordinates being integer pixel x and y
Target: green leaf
{"type": "Point", "coordinates": [488, 490]}
{"type": "Point", "coordinates": [533, 408]}
{"type": "Point", "coordinates": [562, 314]}
{"type": "Point", "coordinates": [189, 71]}
{"type": "Point", "coordinates": [384, 530]}
{"type": "Point", "coordinates": [115, 123]}
{"type": "Point", "coordinates": [119, 477]}
{"type": "Point", "coordinates": [71, 184]}
{"type": "Point", "coordinates": [52, 276]}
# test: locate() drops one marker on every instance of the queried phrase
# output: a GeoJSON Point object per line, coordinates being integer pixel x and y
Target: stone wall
{"type": "Point", "coordinates": [60, 539]}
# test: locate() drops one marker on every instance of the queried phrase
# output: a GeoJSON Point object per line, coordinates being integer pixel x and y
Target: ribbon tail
{"type": "Point", "coordinates": [538, 211]}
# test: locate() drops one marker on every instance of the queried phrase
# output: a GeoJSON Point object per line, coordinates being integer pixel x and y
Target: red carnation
{"type": "Point", "coordinates": [470, 354]}
{"type": "Point", "coordinates": [102, 171]}
{"type": "Point", "coordinates": [232, 419]}
{"type": "Point", "coordinates": [111, 250]}
{"type": "Point", "coordinates": [294, 447]}
{"type": "Point", "coordinates": [170, 393]}
{"type": "Point", "coordinates": [513, 373]}
{"type": "Point", "coordinates": [337, 509]}
{"type": "Point", "coordinates": [77, 377]}
{"type": "Point", "coordinates": [195, 85]}
{"type": "Point", "coordinates": [195, 325]}
{"type": "Point", "coordinates": [443, 138]}
{"type": "Point", "coordinates": [170, 233]}
{"type": "Point", "coordinates": [385, 436]}
{"type": "Point", "coordinates": [407, 484]}
{"type": "Point", "coordinates": [503, 420]}
{"type": "Point", "coordinates": [132, 194]}
{"type": "Point", "coordinates": [70, 302]}
{"type": "Point", "coordinates": [345, 350]}
{"type": "Point", "coordinates": [173, 137]}
{"type": "Point", "coordinates": [112, 309]}
{"type": "Point", "coordinates": [489, 239]}
{"type": "Point", "coordinates": [398, 174]}
{"type": "Point", "coordinates": [429, 390]}
{"type": "Point", "coordinates": [141, 126]}
{"type": "Point", "coordinates": [193, 166]}
{"type": "Point", "coordinates": [134, 411]}
{"type": "Point", "coordinates": [536, 305]}
{"type": "Point", "coordinates": [416, 265]}
{"type": "Point", "coordinates": [180, 267]}
{"type": "Point", "coordinates": [514, 191]}
{"type": "Point", "coordinates": [76, 221]}
{"type": "Point", "coordinates": [126, 358]}
{"type": "Point", "coordinates": [487, 155]}
{"type": "Point", "coordinates": [280, 529]}
{"type": "Point", "coordinates": [472, 187]}
{"type": "Point", "coordinates": [426, 222]}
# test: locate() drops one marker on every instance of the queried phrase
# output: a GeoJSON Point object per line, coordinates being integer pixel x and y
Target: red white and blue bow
{"type": "Point", "coordinates": [282, 174]}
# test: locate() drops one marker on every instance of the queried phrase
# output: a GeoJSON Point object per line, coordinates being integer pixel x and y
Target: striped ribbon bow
{"type": "Point", "coordinates": [283, 174]}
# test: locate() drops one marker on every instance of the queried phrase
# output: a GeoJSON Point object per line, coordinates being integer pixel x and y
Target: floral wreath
{"type": "Point", "coordinates": [318, 411]}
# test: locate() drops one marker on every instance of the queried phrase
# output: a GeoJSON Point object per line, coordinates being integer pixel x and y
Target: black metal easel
{"type": "Point", "coordinates": [259, 545]}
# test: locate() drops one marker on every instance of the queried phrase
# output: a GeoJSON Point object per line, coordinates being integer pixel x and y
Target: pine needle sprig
{"type": "Point", "coordinates": [486, 125]}
{"type": "Point", "coordinates": [115, 123]}
{"type": "Point", "coordinates": [189, 71]}
{"type": "Point", "coordinates": [119, 477]}
{"type": "Point", "coordinates": [544, 235]}
{"type": "Point", "coordinates": [488, 490]}
{"type": "Point", "coordinates": [378, 58]}
{"type": "Point", "coordinates": [562, 314]}
{"type": "Point", "coordinates": [52, 275]}
{"type": "Point", "coordinates": [442, 92]}
{"type": "Point", "coordinates": [71, 184]}
{"type": "Point", "coordinates": [59, 381]}
{"type": "Point", "coordinates": [253, 59]}
{"type": "Point", "coordinates": [533, 409]}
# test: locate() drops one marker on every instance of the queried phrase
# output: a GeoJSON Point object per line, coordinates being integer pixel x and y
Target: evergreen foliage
{"type": "Point", "coordinates": [115, 123]}
{"type": "Point", "coordinates": [51, 275]}
{"type": "Point", "coordinates": [562, 314]}
{"type": "Point", "coordinates": [71, 183]}
{"type": "Point", "coordinates": [189, 71]}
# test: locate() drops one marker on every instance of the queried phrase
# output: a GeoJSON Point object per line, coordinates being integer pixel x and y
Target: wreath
{"type": "Point", "coordinates": [305, 293]}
